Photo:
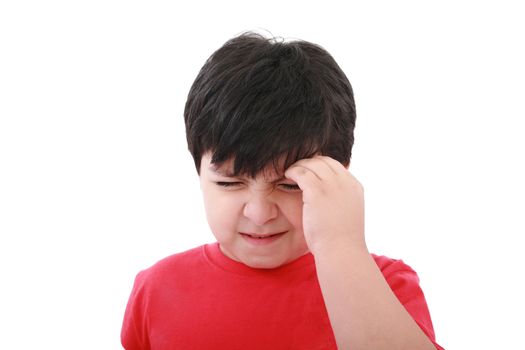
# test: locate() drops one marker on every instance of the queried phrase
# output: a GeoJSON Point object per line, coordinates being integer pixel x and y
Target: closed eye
{"type": "Point", "coordinates": [228, 184]}
{"type": "Point", "coordinates": [290, 187]}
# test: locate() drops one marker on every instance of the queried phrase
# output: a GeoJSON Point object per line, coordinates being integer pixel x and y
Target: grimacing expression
{"type": "Point", "coordinates": [257, 221]}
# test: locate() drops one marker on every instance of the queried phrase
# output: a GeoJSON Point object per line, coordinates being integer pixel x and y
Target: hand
{"type": "Point", "coordinates": [333, 204]}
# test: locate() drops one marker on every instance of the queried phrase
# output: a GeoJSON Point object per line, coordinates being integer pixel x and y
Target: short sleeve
{"type": "Point", "coordinates": [404, 282]}
{"type": "Point", "coordinates": [134, 335]}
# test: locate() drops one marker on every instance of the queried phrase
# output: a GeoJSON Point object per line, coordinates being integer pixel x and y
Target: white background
{"type": "Point", "coordinates": [96, 182]}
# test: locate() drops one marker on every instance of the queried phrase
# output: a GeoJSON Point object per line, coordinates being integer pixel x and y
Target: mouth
{"type": "Point", "coordinates": [254, 235]}
{"type": "Point", "coordinates": [262, 239]}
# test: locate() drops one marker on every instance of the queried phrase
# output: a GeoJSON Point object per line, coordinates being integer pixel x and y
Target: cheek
{"type": "Point", "coordinates": [292, 209]}
{"type": "Point", "coordinates": [221, 210]}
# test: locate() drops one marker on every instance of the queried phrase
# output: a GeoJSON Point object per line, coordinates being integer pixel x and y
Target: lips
{"type": "Point", "coordinates": [261, 236]}
{"type": "Point", "coordinates": [259, 240]}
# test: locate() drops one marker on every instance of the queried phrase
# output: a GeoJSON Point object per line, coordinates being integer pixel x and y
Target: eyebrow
{"type": "Point", "coordinates": [227, 173]}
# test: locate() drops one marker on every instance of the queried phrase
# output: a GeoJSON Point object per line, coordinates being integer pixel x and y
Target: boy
{"type": "Point", "coordinates": [270, 127]}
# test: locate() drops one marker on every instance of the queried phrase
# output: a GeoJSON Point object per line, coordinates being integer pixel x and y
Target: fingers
{"type": "Point", "coordinates": [309, 174]}
{"type": "Point", "coordinates": [305, 178]}
{"type": "Point", "coordinates": [323, 167]}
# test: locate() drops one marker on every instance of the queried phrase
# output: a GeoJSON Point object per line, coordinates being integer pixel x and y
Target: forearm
{"type": "Point", "coordinates": [363, 310]}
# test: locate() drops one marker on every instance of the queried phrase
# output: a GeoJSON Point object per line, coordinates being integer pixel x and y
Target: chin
{"type": "Point", "coordinates": [262, 263]}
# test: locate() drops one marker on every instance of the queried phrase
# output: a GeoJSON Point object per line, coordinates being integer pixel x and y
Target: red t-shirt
{"type": "Point", "coordinates": [201, 299]}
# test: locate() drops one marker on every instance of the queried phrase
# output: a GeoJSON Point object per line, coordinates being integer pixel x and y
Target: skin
{"type": "Point", "coordinates": [363, 310]}
{"type": "Point", "coordinates": [266, 204]}
{"type": "Point", "coordinates": [324, 215]}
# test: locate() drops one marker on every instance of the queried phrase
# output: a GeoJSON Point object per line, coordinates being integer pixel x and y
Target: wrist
{"type": "Point", "coordinates": [338, 247]}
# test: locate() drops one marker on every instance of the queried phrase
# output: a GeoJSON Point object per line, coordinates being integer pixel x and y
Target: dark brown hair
{"type": "Point", "coordinates": [257, 100]}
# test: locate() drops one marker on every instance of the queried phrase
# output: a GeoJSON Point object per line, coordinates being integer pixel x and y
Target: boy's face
{"type": "Point", "coordinates": [258, 221]}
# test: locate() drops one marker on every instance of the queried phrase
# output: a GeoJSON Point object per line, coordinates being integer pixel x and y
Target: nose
{"type": "Point", "coordinates": [260, 209]}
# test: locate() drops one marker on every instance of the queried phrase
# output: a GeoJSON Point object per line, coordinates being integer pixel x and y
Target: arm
{"type": "Point", "coordinates": [132, 334]}
{"type": "Point", "coordinates": [363, 310]}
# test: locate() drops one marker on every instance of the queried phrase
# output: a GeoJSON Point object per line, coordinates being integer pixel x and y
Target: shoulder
{"type": "Point", "coordinates": [396, 271]}
{"type": "Point", "coordinates": [404, 282]}
{"type": "Point", "coordinates": [171, 266]}
{"type": "Point", "coordinates": [389, 265]}
{"type": "Point", "coordinates": [402, 279]}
